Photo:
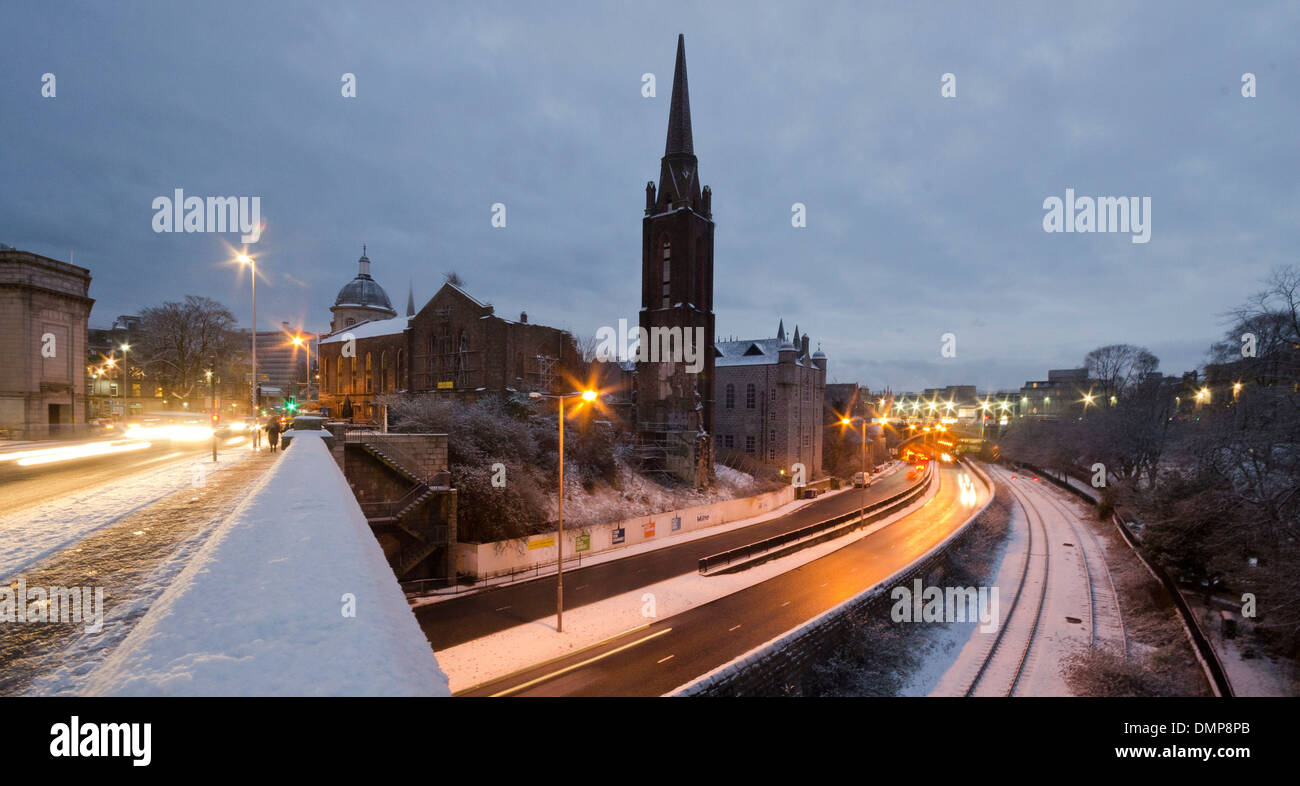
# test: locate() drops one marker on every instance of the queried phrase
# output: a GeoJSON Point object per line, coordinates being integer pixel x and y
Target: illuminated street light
{"type": "Point", "coordinates": [586, 395]}
{"type": "Point", "coordinates": [245, 259]}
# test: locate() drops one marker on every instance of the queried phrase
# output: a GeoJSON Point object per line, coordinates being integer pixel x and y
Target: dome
{"type": "Point", "coordinates": [363, 291]}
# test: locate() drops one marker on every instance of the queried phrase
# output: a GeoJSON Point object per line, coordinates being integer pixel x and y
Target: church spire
{"type": "Point", "coordinates": [410, 299]}
{"type": "Point", "coordinates": [679, 116]}
{"type": "Point", "coordinates": [780, 330]}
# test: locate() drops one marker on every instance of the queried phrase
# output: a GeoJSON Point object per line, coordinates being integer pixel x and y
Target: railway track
{"type": "Point", "coordinates": [1004, 663]}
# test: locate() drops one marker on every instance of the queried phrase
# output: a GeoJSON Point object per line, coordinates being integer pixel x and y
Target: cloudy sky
{"type": "Point", "coordinates": [924, 213]}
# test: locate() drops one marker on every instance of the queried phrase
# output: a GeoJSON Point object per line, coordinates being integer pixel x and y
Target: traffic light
{"type": "Point", "coordinates": [290, 405]}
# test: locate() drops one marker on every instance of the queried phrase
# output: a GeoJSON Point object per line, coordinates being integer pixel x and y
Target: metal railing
{"type": "Point", "coordinates": [863, 516]}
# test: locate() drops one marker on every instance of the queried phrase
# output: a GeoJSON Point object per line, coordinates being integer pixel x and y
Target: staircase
{"type": "Point", "coordinates": [395, 512]}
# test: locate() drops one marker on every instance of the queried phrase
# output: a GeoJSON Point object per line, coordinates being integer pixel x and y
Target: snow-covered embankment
{"type": "Point", "coordinates": [291, 596]}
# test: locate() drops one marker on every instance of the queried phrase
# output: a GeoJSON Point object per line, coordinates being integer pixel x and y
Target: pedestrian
{"type": "Point", "coordinates": [273, 433]}
{"type": "Point", "coordinates": [257, 434]}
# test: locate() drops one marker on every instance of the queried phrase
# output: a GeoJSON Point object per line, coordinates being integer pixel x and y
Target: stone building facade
{"type": "Point", "coordinates": [454, 346]}
{"type": "Point", "coordinates": [44, 309]}
{"type": "Point", "coordinates": [770, 394]}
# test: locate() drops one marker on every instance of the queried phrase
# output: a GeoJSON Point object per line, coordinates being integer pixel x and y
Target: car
{"type": "Point", "coordinates": [861, 480]}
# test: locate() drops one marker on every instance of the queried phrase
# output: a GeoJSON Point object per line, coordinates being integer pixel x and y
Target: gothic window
{"type": "Point", "coordinates": [383, 371]}
{"type": "Point", "coordinates": [370, 375]}
{"type": "Point", "coordinates": [731, 396]}
{"type": "Point", "coordinates": [668, 257]}
{"type": "Point", "coordinates": [401, 369]}
{"type": "Point", "coordinates": [750, 395]}
{"type": "Point", "coordinates": [352, 373]}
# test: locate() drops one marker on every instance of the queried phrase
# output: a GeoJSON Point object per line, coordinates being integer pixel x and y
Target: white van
{"type": "Point", "coordinates": [861, 480]}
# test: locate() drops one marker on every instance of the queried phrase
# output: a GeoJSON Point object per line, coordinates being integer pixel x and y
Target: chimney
{"type": "Point", "coordinates": [523, 317]}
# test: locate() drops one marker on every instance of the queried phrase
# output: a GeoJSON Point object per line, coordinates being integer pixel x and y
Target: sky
{"type": "Point", "coordinates": [924, 213]}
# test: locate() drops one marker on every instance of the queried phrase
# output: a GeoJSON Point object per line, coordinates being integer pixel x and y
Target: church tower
{"type": "Point", "coordinates": [674, 405]}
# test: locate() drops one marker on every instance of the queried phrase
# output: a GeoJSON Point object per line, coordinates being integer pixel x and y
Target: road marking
{"type": "Point", "coordinates": [787, 603]}
{"type": "Point", "coordinates": [503, 608]}
{"type": "Point", "coordinates": [670, 657]}
{"type": "Point", "coordinates": [823, 584]}
{"type": "Point", "coordinates": [579, 665]}
{"type": "Point", "coordinates": [584, 586]}
{"type": "Point", "coordinates": [735, 628]}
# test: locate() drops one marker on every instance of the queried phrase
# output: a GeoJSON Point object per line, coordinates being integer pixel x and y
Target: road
{"type": "Point", "coordinates": [668, 653]}
{"type": "Point", "coordinates": [461, 619]}
{"type": "Point", "coordinates": [25, 487]}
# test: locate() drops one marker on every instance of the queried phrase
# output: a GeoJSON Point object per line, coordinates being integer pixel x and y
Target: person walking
{"type": "Point", "coordinates": [273, 433]}
{"type": "Point", "coordinates": [257, 434]}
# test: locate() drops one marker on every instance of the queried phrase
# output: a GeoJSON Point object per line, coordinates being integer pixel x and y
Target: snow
{"type": "Point", "coordinates": [29, 535]}
{"type": "Point", "coordinates": [377, 327]}
{"type": "Point", "coordinates": [262, 610]}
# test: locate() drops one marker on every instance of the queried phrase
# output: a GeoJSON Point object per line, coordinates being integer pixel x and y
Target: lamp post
{"type": "Point", "coordinates": [849, 422]}
{"type": "Point", "coordinates": [299, 343]}
{"type": "Point", "coordinates": [126, 384]}
{"type": "Point", "coordinates": [245, 259]}
{"type": "Point", "coordinates": [586, 395]}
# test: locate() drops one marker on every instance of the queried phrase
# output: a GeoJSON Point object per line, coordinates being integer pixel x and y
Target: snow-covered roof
{"type": "Point", "coordinates": [371, 329]}
{"type": "Point", "coordinates": [752, 352]}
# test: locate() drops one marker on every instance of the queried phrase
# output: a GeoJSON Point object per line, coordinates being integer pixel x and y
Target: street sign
{"type": "Point", "coordinates": [583, 541]}
{"type": "Point", "coordinates": [616, 536]}
{"type": "Point", "coordinates": [542, 543]}
{"type": "Point", "coordinates": [648, 529]}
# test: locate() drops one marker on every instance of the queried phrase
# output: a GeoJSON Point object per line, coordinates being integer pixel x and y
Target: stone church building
{"type": "Point", "coordinates": [770, 395]}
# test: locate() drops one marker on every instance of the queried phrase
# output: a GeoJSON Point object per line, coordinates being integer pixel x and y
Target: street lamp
{"type": "Point", "coordinates": [245, 259]}
{"type": "Point", "coordinates": [587, 396]}
{"type": "Point", "coordinates": [126, 384]}
{"type": "Point", "coordinates": [299, 343]}
{"type": "Point", "coordinates": [848, 421]}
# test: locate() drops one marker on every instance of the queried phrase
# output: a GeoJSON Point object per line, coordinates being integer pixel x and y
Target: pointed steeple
{"type": "Point", "coordinates": [410, 299]}
{"type": "Point", "coordinates": [679, 116]}
{"type": "Point", "coordinates": [780, 330]}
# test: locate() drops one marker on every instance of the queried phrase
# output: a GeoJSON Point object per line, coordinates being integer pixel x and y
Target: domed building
{"type": "Point", "coordinates": [360, 300]}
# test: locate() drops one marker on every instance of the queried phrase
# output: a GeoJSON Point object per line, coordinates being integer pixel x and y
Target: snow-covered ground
{"type": "Point", "coordinates": [490, 657]}
{"type": "Point", "coordinates": [29, 535]}
{"type": "Point", "coordinates": [290, 596]}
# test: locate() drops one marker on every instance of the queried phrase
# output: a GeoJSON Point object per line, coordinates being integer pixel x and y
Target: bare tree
{"type": "Point", "coordinates": [184, 339]}
{"type": "Point", "coordinates": [1118, 368]}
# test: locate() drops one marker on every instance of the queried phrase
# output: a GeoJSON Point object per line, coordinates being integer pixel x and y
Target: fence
{"type": "Point", "coordinates": [829, 527]}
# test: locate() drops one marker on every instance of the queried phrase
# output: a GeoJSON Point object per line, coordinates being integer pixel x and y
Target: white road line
{"type": "Point", "coordinates": [579, 665]}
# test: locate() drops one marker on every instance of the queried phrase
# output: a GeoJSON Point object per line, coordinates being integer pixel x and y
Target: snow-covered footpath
{"type": "Point", "coordinates": [291, 596]}
{"type": "Point", "coordinates": [28, 536]}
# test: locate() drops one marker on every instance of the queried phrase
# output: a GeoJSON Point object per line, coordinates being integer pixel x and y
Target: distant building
{"type": "Point", "coordinates": [770, 395]}
{"type": "Point", "coordinates": [44, 308]}
{"type": "Point", "coordinates": [1058, 396]}
{"type": "Point", "coordinates": [454, 346]}
{"type": "Point", "coordinates": [282, 366]}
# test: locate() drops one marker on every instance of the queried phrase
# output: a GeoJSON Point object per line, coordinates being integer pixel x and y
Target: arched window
{"type": "Point", "coordinates": [383, 371]}
{"type": "Point", "coordinates": [668, 263]}
{"type": "Point", "coordinates": [731, 396]}
{"type": "Point", "coordinates": [370, 375]}
{"type": "Point", "coordinates": [401, 370]}
{"type": "Point", "coordinates": [352, 373]}
{"type": "Point", "coordinates": [338, 375]}
{"type": "Point", "coordinates": [749, 396]}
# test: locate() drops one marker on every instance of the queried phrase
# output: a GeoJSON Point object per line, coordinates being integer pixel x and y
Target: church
{"type": "Point", "coordinates": [771, 390]}
{"type": "Point", "coordinates": [674, 406]}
